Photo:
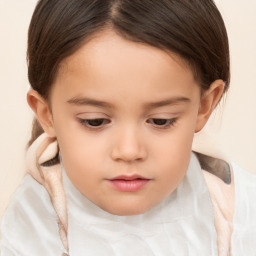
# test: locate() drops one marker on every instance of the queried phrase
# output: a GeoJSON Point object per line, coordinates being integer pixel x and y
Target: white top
{"type": "Point", "coordinates": [244, 223]}
{"type": "Point", "coordinates": [182, 224]}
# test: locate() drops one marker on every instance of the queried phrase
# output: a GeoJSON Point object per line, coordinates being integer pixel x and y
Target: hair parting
{"type": "Point", "coordinates": [192, 29]}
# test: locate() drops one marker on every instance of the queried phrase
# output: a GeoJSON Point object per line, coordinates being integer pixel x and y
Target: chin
{"type": "Point", "coordinates": [127, 210]}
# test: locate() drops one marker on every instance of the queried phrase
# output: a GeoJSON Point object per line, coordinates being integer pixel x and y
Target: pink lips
{"type": "Point", "coordinates": [128, 183]}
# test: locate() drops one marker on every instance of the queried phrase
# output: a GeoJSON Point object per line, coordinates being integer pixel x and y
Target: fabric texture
{"type": "Point", "coordinates": [41, 151]}
{"type": "Point", "coordinates": [244, 222]}
{"type": "Point", "coordinates": [223, 200]}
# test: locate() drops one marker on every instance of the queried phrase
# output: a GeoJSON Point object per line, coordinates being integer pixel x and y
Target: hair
{"type": "Point", "coordinates": [192, 29]}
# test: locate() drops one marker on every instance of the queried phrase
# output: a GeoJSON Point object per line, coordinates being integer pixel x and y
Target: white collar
{"type": "Point", "coordinates": [182, 224]}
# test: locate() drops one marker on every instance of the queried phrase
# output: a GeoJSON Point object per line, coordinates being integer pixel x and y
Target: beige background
{"type": "Point", "coordinates": [232, 128]}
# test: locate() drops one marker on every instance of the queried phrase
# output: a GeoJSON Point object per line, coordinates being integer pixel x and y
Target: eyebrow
{"type": "Point", "coordinates": [171, 101]}
{"type": "Point", "coordinates": [97, 103]}
{"type": "Point", "coordinates": [89, 101]}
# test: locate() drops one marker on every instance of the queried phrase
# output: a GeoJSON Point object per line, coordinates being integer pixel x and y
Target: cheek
{"type": "Point", "coordinates": [74, 141]}
{"type": "Point", "coordinates": [81, 149]}
{"type": "Point", "coordinates": [177, 142]}
{"type": "Point", "coordinates": [83, 154]}
{"type": "Point", "coordinates": [174, 150]}
{"type": "Point", "coordinates": [82, 162]}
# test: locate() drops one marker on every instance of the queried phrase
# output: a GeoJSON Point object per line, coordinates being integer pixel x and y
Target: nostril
{"type": "Point", "coordinates": [128, 155]}
{"type": "Point", "coordinates": [128, 145]}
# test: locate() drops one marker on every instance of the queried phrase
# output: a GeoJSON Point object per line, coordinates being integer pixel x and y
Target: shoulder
{"type": "Point", "coordinates": [241, 176]}
{"type": "Point", "coordinates": [244, 235]}
{"type": "Point", "coordinates": [223, 200]}
{"type": "Point", "coordinates": [245, 191]}
{"type": "Point", "coordinates": [29, 222]}
{"type": "Point", "coordinates": [232, 190]}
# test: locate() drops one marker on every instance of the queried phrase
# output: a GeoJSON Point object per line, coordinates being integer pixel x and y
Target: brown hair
{"type": "Point", "coordinates": [193, 29]}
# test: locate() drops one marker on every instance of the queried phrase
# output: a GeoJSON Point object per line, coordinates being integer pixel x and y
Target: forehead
{"type": "Point", "coordinates": [108, 62]}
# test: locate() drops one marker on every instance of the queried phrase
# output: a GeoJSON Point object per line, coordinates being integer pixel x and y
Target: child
{"type": "Point", "coordinates": [118, 89]}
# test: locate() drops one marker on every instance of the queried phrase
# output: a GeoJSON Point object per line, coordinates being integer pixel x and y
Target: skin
{"type": "Point", "coordinates": [139, 85]}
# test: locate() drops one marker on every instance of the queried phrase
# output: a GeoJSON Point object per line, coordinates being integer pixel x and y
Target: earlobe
{"type": "Point", "coordinates": [42, 111]}
{"type": "Point", "coordinates": [209, 101]}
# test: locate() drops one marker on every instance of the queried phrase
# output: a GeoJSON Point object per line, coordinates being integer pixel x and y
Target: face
{"type": "Point", "coordinates": [124, 115]}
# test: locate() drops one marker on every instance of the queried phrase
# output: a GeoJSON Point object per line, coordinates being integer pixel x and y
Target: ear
{"type": "Point", "coordinates": [42, 111]}
{"type": "Point", "coordinates": [209, 100]}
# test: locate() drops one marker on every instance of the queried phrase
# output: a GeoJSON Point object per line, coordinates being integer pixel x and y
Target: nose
{"type": "Point", "coordinates": [128, 146]}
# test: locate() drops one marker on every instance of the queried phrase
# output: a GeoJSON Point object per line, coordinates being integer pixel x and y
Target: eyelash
{"type": "Point", "coordinates": [86, 123]}
{"type": "Point", "coordinates": [100, 122]}
{"type": "Point", "coordinates": [167, 122]}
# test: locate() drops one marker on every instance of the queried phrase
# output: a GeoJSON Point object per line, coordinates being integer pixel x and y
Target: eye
{"type": "Point", "coordinates": [162, 122]}
{"type": "Point", "coordinates": [94, 123]}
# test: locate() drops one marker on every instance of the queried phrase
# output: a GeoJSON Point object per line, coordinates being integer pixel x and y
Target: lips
{"type": "Point", "coordinates": [129, 183]}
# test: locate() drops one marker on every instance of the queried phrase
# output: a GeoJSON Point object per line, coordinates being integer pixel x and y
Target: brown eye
{"type": "Point", "coordinates": [97, 122]}
{"type": "Point", "coordinates": [162, 122]}
{"type": "Point", "coordinates": [159, 121]}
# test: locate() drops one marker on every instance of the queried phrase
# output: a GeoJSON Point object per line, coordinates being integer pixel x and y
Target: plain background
{"type": "Point", "coordinates": [231, 130]}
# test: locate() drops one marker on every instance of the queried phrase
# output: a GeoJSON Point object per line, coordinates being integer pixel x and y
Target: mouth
{"type": "Point", "coordinates": [132, 183]}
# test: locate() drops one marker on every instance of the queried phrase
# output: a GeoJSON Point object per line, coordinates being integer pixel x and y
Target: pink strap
{"type": "Point", "coordinates": [223, 201]}
{"type": "Point", "coordinates": [50, 176]}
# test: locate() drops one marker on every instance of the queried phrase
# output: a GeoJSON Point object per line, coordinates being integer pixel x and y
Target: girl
{"type": "Point", "coordinates": [118, 89]}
